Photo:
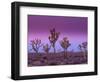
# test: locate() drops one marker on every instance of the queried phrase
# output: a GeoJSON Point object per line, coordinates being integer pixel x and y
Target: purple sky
{"type": "Point", "coordinates": [75, 28]}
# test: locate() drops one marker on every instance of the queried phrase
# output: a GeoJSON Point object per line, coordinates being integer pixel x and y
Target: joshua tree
{"type": "Point", "coordinates": [36, 44]}
{"type": "Point", "coordinates": [80, 47]}
{"type": "Point", "coordinates": [53, 38]}
{"type": "Point", "coordinates": [65, 44]}
{"type": "Point", "coordinates": [83, 47]}
{"type": "Point", "coordinates": [46, 48]}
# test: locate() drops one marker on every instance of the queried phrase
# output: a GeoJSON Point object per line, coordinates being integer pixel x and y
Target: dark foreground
{"type": "Point", "coordinates": [50, 59]}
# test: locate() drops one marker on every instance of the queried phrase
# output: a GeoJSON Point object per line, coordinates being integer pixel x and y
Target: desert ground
{"type": "Point", "coordinates": [61, 58]}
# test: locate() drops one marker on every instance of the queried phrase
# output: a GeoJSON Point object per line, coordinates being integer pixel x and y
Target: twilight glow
{"type": "Point", "coordinates": [75, 28]}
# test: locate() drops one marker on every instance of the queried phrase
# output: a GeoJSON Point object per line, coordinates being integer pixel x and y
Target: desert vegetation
{"type": "Point", "coordinates": [36, 44]}
{"type": "Point", "coordinates": [65, 44]}
{"type": "Point", "coordinates": [53, 38]}
{"type": "Point", "coordinates": [46, 48]}
{"type": "Point", "coordinates": [83, 48]}
{"type": "Point", "coordinates": [65, 57]}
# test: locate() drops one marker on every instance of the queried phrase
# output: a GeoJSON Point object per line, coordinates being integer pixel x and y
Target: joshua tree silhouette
{"type": "Point", "coordinates": [80, 47]}
{"type": "Point", "coordinates": [53, 38]}
{"type": "Point", "coordinates": [65, 44]}
{"type": "Point", "coordinates": [83, 47]}
{"type": "Point", "coordinates": [46, 48]}
{"type": "Point", "coordinates": [36, 44]}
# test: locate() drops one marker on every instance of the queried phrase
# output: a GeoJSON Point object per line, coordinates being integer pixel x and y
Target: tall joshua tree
{"type": "Point", "coordinates": [53, 37]}
{"type": "Point", "coordinates": [46, 48]}
{"type": "Point", "coordinates": [65, 44]}
{"type": "Point", "coordinates": [36, 44]}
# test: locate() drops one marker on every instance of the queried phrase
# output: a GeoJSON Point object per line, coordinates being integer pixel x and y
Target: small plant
{"type": "Point", "coordinates": [53, 38]}
{"type": "Point", "coordinates": [46, 48]}
{"type": "Point", "coordinates": [36, 44]}
{"type": "Point", "coordinates": [65, 44]}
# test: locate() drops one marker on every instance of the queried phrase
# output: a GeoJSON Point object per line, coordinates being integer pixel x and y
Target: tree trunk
{"type": "Point", "coordinates": [85, 53]}
{"type": "Point", "coordinates": [47, 52]}
{"type": "Point", "coordinates": [37, 52]}
{"type": "Point", "coordinates": [66, 53]}
{"type": "Point", "coordinates": [54, 48]}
